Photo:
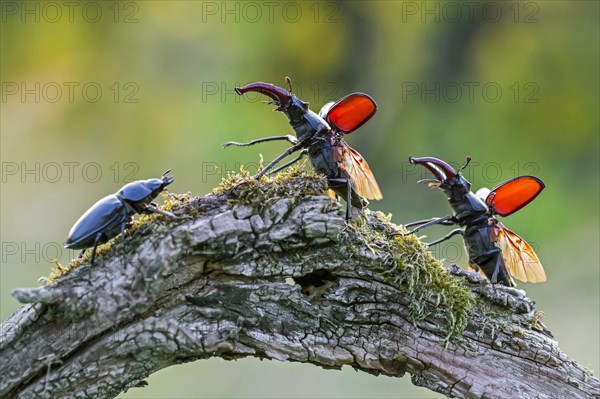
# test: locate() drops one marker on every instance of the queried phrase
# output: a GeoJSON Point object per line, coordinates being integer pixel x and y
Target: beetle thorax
{"type": "Point", "coordinates": [465, 203]}
{"type": "Point", "coordinates": [142, 191]}
{"type": "Point", "coordinates": [304, 121]}
{"type": "Point", "coordinates": [313, 126]}
{"type": "Point", "coordinates": [295, 110]}
{"type": "Point", "coordinates": [468, 208]}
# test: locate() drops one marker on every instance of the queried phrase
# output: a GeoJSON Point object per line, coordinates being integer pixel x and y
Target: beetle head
{"type": "Point", "coordinates": [144, 190]}
{"type": "Point", "coordinates": [450, 181]}
{"type": "Point", "coordinates": [286, 102]}
{"type": "Point", "coordinates": [295, 110]}
{"type": "Point", "coordinates": [158, 185]}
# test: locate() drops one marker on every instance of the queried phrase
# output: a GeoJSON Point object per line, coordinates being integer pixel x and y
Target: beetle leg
{"type": "Point", "coordinates": [288, 137]}
{"type": "Point", "coordinates": [342, 180]}
{"type": "Point", "coordinates": [348, 202]}
{"type": "Point", "coordinates": [494, 278]}
{"type": "Point", "coordinates": [287, 152]}
{"type": "Point", "coordinates": [124, 226]}
{"type": "Point", "coordinates": [491, 263]}
{"type": "Point", "coordinates": [81, 253]}
{"type": "Point", "coordinates": [443, 220]}
{"type": "Point", "coordinates": [96, 241]}
{"type": "Point", "coordinates": [348, 206]}
{"type": "Point", "coordinates": [274, 162]}
{"type": "Point", "coordinates": [418, 222]}
{"type": "Point", "coordinates": [150, 209]}
{"type": "Point", "coordinates": [506, 278]}
{"type": "Point", "coordinates": [303, 153]}
{"type": "Point", "coordinates": [447, 236]}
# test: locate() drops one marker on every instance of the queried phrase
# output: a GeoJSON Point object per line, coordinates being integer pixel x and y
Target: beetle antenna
{"type": "Point", "coordinates": [289, 82]}
{"type": "Point", "coordinates": [466, 163]}
{"type": "Point", "coordinates": [167, 172]}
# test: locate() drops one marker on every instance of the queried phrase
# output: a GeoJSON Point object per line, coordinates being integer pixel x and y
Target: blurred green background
{"type": "Point", "coordinates": [96, 94]}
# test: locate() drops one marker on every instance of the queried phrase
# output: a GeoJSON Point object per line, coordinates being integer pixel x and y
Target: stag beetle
{"type": "Point", "coordinates": [113, 214]}
{"type": "Point", "coordinates": [320, 137]}
{"type": "Point", "coordinates": [493, 249]}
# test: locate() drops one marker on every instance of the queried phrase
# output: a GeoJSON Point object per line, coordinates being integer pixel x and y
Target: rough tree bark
{"type": "Point", "coordinates": [220, 284]}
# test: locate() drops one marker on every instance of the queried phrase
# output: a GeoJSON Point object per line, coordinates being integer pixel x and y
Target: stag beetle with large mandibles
{"type": "Point", "coordinates": [320, 137]}
{"type": "Point", "coordinates": [493, 249]}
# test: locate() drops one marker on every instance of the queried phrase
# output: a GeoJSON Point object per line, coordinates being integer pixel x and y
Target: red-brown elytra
{"type": "Point", "coordinates": [320, 137]}
{"type": "Point", "coordinates": [493, 249]}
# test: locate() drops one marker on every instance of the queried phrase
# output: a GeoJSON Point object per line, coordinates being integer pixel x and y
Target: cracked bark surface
{"type": "Point", "coordinates": [215, 285]}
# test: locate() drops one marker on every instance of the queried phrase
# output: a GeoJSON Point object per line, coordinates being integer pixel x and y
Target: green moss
{"type": "Point", "coordinates": [535, 321]}
{"type": "Point", "coordinates": [519, 331]}
{"type": "Point", "coordinates": [294, 182]}
{"type": "Point", "coordinates": [488, 318]}
{"type": "Point", "coordinates": [406, 262]}
{"type": "Point", "coordinates": [492, 318]}
{"type": "Point", "coordinates": [409, 266]}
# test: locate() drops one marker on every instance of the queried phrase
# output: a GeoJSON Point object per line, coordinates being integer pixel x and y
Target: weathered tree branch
{"type": "Point", "coordinates": [357, 298]}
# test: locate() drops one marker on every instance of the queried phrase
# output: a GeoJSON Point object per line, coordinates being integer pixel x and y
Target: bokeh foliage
{"type": "Point", "coordinates": [434, 76]}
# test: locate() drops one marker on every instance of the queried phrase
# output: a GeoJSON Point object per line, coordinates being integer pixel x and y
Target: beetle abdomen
{"type": "Point", "coordinates": [106, 216]}
{"type": "Point", "coordinates": [485, 254]}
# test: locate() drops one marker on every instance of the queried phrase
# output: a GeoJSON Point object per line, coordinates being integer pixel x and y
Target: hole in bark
{"type": "Point", "coordinates": [316, 279]}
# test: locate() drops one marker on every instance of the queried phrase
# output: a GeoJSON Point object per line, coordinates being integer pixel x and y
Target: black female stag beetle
{"type": "Point", "coordinates": [113, 214]}
{"type": "Point", "coordinates": [496, 251]}
{"type": "Point", "coordinates": [320, 137]}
